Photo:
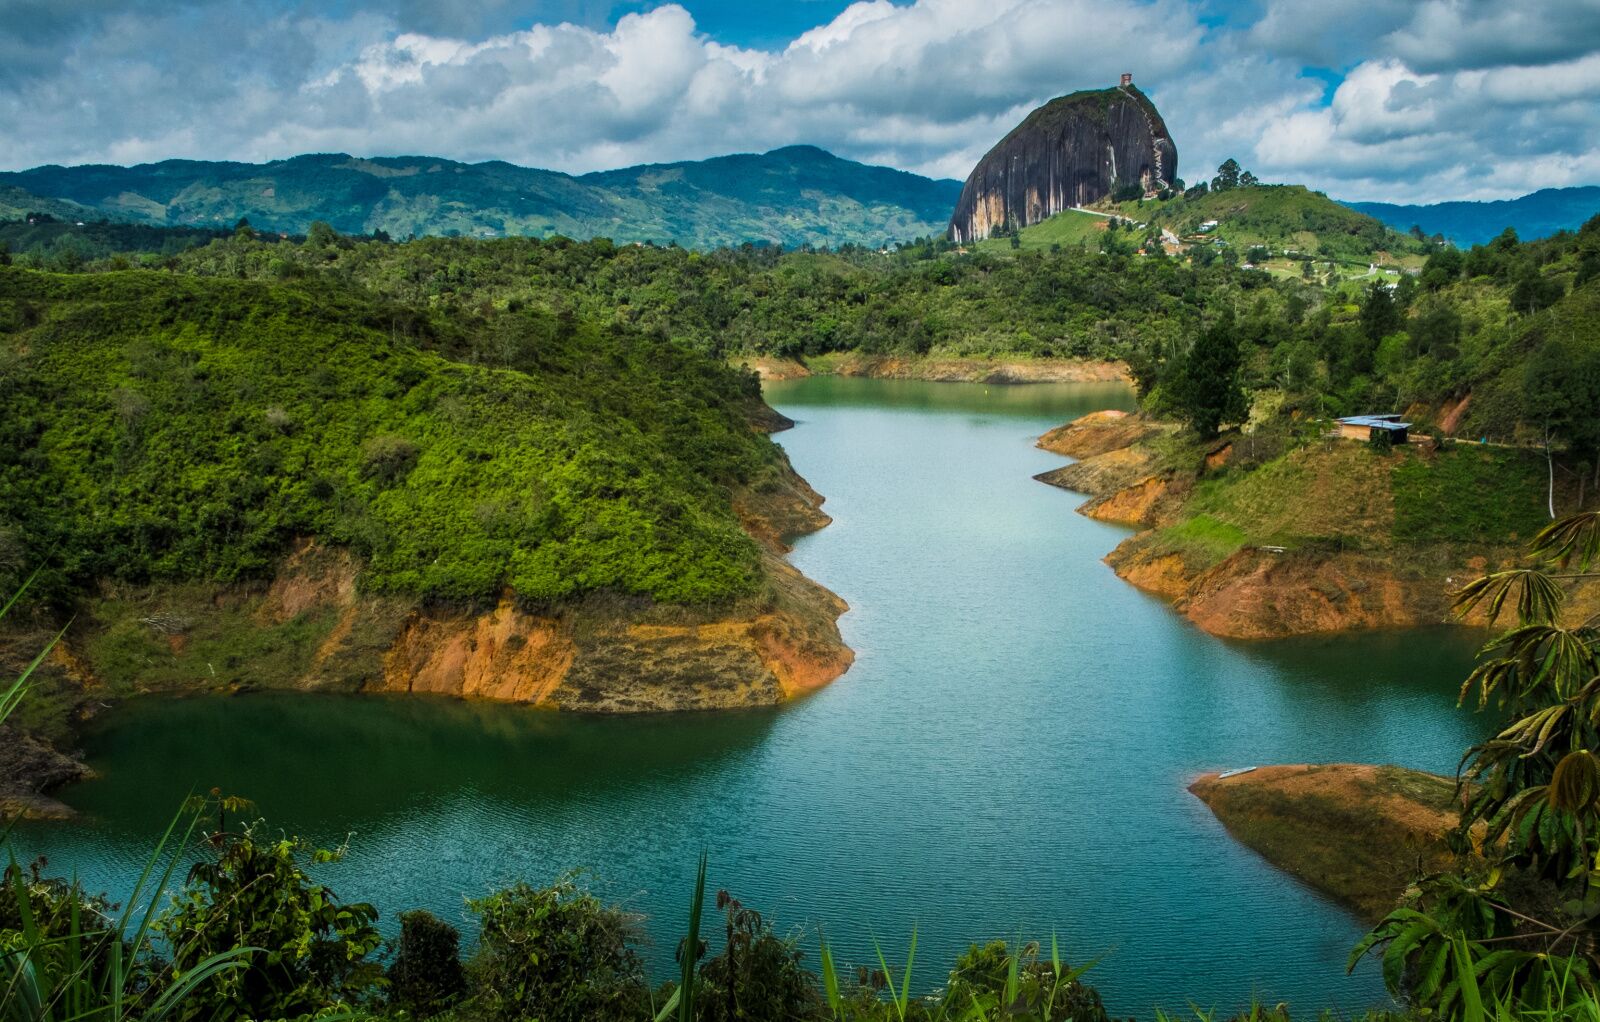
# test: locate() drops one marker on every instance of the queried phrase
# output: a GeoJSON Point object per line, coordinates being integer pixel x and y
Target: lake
{"type": "Point", "coordinates": [1008, 756]}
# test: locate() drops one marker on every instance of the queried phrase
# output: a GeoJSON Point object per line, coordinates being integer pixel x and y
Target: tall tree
{"type": "Point", "coordinates": [1380, 314]}
{"type": "Point", "coordinates": [1207, 388]}
{"type": "Point", "coordinates": [1227, 176]}
{"type": "Point", "coordinates": [1561, 396]}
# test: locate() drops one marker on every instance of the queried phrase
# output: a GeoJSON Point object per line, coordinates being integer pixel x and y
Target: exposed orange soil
{"type": "Point", "coordinates": [1132, 505]}
{"type": "Point", "coordinates": [504, 654]}
{"type": "Point", "coordinates": [1098, 433]}
{"type": "Point", "coordinates": [969, 370]}
{"type": "Point", "coordinates": [770, 368]}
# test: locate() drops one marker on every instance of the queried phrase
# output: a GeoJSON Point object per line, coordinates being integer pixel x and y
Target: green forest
{"type": "Point", "coordinates": [465, 413]}
{"type": "Point", "coordinates": [171, 426]}
{"type": "Point", "coordinates": [1463, 322]}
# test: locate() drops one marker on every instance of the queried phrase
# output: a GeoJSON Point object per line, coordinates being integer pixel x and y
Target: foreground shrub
{"type": "Point", "coordinates": [1000, 983]}
{"type": "Point", "coordinates": [556, 954]}
{"type": "Point", "coordinates": [313, 950]}
{"type": "Point", "coordinates": [758, 975]}
{"type": "Point", "coordinates": [426, 976]}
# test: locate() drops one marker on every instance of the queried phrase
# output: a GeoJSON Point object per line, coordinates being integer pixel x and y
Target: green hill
{"type": "Point", "coordinates": [1279, 217]}
{"type": "Point", "coordinates": [17, 204]}
{"type": "Point", "coordinates": [174, 428]}
{"type": "Point", "coordinates": [1071, 228]}
{"type": "Point", "coordinates": [792, 196]}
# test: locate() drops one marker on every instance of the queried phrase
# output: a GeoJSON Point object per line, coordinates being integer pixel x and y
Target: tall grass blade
{"type": "Point", "coordinates": [1013, 980]}
{"type": "Point", "coordinates": [18, 594]}
{"type": "Point", "coordinates": [830, 977]}
{"type": "Point", "coordinates": [691, 946]}
{"type": "Point", "coordinates": [902, 997]}
{"type": "Point", "coordinates": [173, 996]}
{"type": "Point", "coordinates": [670, 1008]}
{"type": "Point", "coordinates": [905, 980]}
{"type": "Point", "coordinates": [1471, 998]}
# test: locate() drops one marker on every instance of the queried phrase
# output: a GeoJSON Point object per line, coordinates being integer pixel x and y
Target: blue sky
{"type": "Point", "coordinates": [1404, 100]}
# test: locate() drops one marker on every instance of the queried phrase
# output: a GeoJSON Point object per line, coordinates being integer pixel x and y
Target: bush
{"type": "Point", "coordinates": [1045, 990]}
{"type": "Point", "coordinates": [426, 976]}
{"type": "Point", "coordinates": [758, 975]}
{"type": "Point", "coordinates": [557, 954]}
{"type": "Point", "coordinates": [387, 458]}
{"type": "Point", "coordinates": [312, 949]}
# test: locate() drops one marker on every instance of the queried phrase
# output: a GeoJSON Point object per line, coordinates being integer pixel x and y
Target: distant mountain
{"type": "Point", "coordinates": [789, 196]}
{"type": "Point", "coordinates": [1537, 215]}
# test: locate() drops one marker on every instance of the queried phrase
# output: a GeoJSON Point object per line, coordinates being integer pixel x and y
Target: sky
{"type": "Point", "coordinates": [1396, 100]}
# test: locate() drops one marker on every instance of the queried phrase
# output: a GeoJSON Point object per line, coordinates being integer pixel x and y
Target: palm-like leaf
{"type": "Point", "coordinates": [1540, 664]}
{"type": "Point", "coordinates": [1539, 597]}
{"type": "Point", "coordinates": [1573, 541]}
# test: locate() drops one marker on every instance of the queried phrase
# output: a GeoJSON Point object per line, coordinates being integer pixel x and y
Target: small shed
{"type": "Point", "coordinates": [1371, 427]}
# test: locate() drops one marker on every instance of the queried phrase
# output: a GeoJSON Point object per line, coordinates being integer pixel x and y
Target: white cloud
{"type": "Point", "coordinates": [1438, 99]}
{"type": "Point", "coordinates": [1392, 133]}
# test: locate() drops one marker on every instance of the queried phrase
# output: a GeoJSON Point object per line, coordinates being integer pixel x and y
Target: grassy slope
{"type": "Point", "coordinates": [1342, 495]}
{"type": "Point", "coordinates": [1068, 229]}
{"type": "Point", "coordinates": [16, 203]}
{"type": "Point", "coordinates": [177, 428]}
{"type": "Point", "coordinates": [1501, 363]}
{"type": "Point", "coordinates": [1279, 217]}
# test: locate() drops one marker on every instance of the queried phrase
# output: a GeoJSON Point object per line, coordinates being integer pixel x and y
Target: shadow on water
{"type": "Point", "coordinates": [332, 758]}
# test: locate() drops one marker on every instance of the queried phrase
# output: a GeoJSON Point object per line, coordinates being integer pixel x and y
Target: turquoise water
{"type": "Point", "coordinates": [1008, 756]}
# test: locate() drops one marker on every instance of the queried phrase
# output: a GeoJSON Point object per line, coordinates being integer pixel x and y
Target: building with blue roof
{"type": "Point", "coordinates": [1374, 427]}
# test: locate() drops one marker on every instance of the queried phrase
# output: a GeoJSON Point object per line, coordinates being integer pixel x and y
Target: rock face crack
{"type": "Point", "coordinates": [1053, 161]}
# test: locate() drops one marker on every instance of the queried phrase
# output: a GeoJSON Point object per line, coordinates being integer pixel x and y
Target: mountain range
{"type": "Point", "coordinates": [790, 196]}
{"type": "Point", "coordinates": [1536, 215]}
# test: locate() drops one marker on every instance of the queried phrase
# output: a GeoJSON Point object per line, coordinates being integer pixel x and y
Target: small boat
{"type": "Point", "coordinates": [1234, 773]}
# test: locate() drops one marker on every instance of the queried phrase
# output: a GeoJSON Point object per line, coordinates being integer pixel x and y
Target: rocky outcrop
{"type": "Point", "coordinates": [1117, 468]}
{"type": "Point", "coordinates": [1360, 834]}
{"type": "Point", "coordinates": [1236, 588]}
{"type": "Point", "coordinates": [1100, 433]}
{"type": "Point", "coordinates": [29, 768]}
{"type": "Point", "coordinates": [621, 657]}
{"type": "Point", "coordinates": [1259, 594]}
{"type": "Point", "coordinates": [611, 659]}
{"type": "Point", "coordinates": [772, 367]}
{"type": "Point", "coordinates": [1072, 151]}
